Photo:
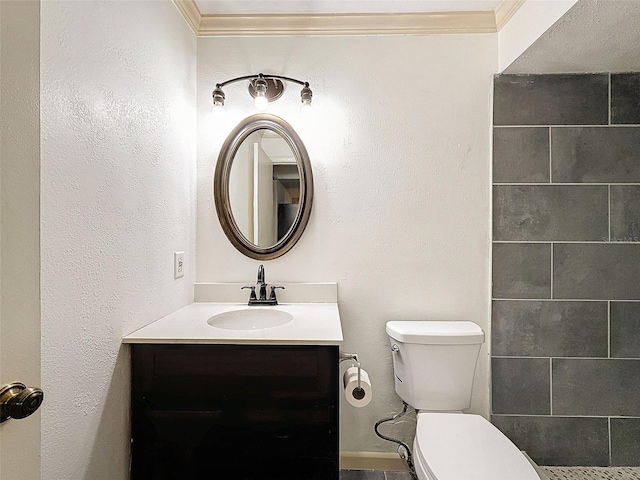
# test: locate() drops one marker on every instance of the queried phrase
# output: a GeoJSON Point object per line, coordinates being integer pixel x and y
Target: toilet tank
{"type": "Point", "coordinates": [435, 362]}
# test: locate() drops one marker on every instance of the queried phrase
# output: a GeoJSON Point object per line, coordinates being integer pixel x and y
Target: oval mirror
{"type": "Point", "coordinates": [263, 187]}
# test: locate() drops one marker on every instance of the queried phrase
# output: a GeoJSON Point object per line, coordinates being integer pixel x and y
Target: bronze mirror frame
{"type": "Point", "coordinates": [227, 154]}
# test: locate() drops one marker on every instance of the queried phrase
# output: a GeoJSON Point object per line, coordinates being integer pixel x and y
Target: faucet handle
{"type": "Point", "coordinates": [272, 296]}
{"type": "Point", "coordinates": [252, 296]}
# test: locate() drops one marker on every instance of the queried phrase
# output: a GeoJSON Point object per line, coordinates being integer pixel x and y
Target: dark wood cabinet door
{"type": "Point", "coordinates": [244, 412]}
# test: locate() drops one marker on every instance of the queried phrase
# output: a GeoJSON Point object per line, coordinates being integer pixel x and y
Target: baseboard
{"type": "Point", "coordinates": [372, 461]}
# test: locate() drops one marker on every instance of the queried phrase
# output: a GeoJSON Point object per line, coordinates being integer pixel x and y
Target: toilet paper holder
{"type": "Point", "coordinates": [353, 356]}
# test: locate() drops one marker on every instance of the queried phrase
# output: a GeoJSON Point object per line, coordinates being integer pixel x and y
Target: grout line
{"type": "Point", "coordinates": [561, 184]}
{"type": "Point", "coordinates": [516, 356]}
{"type": "Point", "coordinates": [609, 424]}
{"type": "Point", "coordinates": [551, 278]}
{"type": "Point", "coordinates": [548, 416]}
{"type": "Point", "coordinates": [609, 328]}
{"type": "Point", "coordinates": [557, 357]}
{"type": "Point", "coordinates": [568, 242]}
{"type": "Point", "coordinates": [562, 300]}
{"type": "Point", "coordinates": [550, 386]}
{"type": "Point", "coordinates": [550, 163]}
{"type": "Point", "coordinates": [609, 212]}
{"type": "Point", "coordinates": [602, 125]}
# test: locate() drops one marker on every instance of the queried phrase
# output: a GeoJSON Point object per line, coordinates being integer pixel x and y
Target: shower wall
{"type": "Point", "coordinates": [566, 267]}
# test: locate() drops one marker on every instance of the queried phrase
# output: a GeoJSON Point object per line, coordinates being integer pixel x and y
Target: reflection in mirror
{"type": "Point", "coordinates": [264, 188]}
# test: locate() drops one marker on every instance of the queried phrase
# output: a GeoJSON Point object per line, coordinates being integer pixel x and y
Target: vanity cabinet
{"type": "Point", "coordinates": [236, 412]}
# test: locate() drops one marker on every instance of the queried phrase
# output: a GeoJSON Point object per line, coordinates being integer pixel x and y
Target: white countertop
{"type": "Point", "coordinates": [312, 324]}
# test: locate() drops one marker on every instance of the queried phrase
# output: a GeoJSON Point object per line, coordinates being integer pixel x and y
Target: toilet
{"type": "Point", "coordinates": [434, 363]}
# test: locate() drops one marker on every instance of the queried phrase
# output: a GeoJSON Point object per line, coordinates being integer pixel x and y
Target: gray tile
{"type": "Point", "coordinates": [559, 440]}
{"type": "Point", "coordinates": [520, 386]}
{"type": "Point", "coordinates": [595, 387]}
{"type": "Point", "coordinates": [551, 100]}
{"type": "Point", "coordinates": [521, 270]}
{"type": "Point", "coordinates": [596, 271]}
{"type": "Point", "coordinates": [361, 475]}
{"type": "Point", "coordinates": [625, 442]}
{"type": "Point", "coordinates": [625, 213]}
{"type": "Point", "coordinates": [595, 154]}
{"type": "Point", "coordinates": [625, 99]}
{"type": "Point", "coordinates": [550, 212]}
{"type": "Point", "coordinates": [625, 329]}
{"type": "Point", "coordinates": [549, 329]}
{"type": "Point", "coordinates": [398, 475]}
{"type": "Point", "coordinates": [521, 155]}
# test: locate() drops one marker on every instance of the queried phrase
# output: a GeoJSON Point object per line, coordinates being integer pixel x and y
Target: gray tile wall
{"type": "Point", "coordinates": [566, 267]}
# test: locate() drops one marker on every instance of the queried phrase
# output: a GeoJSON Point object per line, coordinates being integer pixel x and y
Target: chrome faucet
{"type": "Point", "coordinates": [262, 284]}
{"type": "Point", "coordinates": [262, 289]}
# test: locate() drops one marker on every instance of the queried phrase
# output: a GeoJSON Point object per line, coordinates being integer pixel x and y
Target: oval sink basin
{"type": "Point", "coordinates": [250, 319]}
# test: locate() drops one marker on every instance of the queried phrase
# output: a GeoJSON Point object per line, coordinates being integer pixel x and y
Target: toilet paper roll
{"type": "Point", "coordinates": [356, 397]}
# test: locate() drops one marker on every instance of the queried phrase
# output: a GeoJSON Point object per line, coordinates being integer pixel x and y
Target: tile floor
{"type": "Point", "coordinates": [593, 473]}
{"type": "Point", "coordinates": [554, 473]}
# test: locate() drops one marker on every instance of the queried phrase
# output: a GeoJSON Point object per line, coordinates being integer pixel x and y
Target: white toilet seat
{"type": "Point", "coordinates": [460, 446]}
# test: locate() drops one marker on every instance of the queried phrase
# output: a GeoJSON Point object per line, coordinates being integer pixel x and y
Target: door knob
{"type": "Point", "coordinates": [18, 401]}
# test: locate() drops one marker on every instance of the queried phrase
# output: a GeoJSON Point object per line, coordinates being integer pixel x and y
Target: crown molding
{"type": "Point", "coordinates": [346, 24]}
{"type": "Point", "coordinates": [190, 12]}
{"type": "Point", "coordinates": [505, 10]}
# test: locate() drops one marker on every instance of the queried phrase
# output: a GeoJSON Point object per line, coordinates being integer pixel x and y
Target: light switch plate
{"type": "Point", "coordinates": [178, 264]}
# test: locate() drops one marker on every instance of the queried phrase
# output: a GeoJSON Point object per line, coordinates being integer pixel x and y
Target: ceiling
{"type": "Point", "coordinates": [594, 36]}
{"type": "Point", "coordinates": [235, 7]}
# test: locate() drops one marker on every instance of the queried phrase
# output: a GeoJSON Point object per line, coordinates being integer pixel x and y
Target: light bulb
{"type": "Point", "coordinates": [260, 93]}
{"type": "Point", "coordinates": [218, 111]}
{"type": "Point", "coordinates": [261, 102]}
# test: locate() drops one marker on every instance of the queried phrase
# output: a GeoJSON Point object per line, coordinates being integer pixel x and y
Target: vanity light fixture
{"type": "Point", "coordinates": [264, 89]}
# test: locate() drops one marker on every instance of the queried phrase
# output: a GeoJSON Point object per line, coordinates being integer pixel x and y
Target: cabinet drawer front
{"type": "Point", "coordinates": [210, 376]}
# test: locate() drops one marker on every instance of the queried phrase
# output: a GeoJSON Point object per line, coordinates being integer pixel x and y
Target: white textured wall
{"type": "Point", "coordinates": [399, 140]}
{"type": "Point", "coordinates": [118, 198]}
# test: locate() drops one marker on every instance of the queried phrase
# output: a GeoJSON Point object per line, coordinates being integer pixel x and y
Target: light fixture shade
{"type": "Point", "coordinates": [218, 98]}
{"type": "Point", "coordinates": [306, 95]}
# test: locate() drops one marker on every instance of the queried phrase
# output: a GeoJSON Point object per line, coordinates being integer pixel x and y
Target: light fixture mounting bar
{"type": "Point", "coordinates": [261, 75]}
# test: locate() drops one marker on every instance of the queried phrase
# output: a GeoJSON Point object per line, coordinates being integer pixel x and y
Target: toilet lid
{"type": "Point", "coordinates": [460, 446]}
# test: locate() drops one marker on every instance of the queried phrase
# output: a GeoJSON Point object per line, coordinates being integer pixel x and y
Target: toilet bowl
{"type": "Point", "coordinates": [434, 365]}
{"type": "Point", "coordinates": [461, 446]}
